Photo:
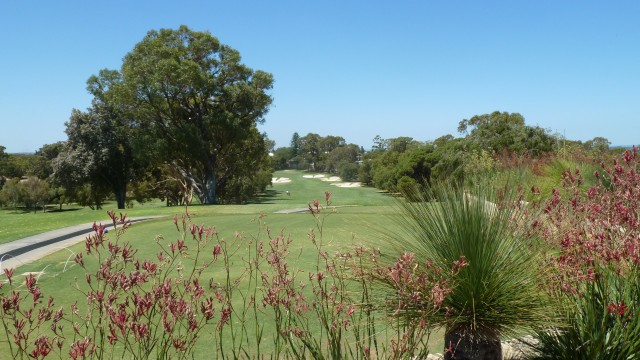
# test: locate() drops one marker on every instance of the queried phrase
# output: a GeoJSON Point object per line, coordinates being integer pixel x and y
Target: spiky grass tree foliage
{"type": "Point", "coordinates": [497, 294]}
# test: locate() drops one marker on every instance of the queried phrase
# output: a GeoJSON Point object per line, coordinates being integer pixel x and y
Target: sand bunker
{"type": "Point", "coordinates": [322, 177]}
{"type": "Point", "coordinates": [347, 184]}
{"type": "Point", "coordinates": [335, 180]}
{"type": "Point", "coordinates": [280, 180]}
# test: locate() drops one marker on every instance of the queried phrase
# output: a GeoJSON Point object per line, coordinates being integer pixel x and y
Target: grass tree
{"type": "Point", "coordinates": [497, 294]}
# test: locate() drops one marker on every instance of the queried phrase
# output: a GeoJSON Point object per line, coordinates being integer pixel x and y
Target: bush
{"type": "Point", "coordinates": [31, 193]}
{"type": "Point", "coordinates": [348, 171]}
{"type": "Point", "coordinates": [409, 188]}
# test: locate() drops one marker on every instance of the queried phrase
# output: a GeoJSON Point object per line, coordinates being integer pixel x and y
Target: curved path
{"type": "Point", "coordinates": [32, 248]}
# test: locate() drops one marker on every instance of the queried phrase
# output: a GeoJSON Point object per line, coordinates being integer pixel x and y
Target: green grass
{"type": "Point", "coordinates": [361, 215]}
{"type": "Point", "coordinates": [17, 224]}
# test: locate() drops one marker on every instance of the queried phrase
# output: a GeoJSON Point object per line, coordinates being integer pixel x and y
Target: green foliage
{"type": "Point", "coordinates": [479, 164]}
{"type": "Point", "coordinates": [295, 144]}
{"type": "Point", "coordinates": [416, 163]}
{"type": "Point", "coordinates": [51, 151]}
{"type": "Point", "coordinates": [246, 173]}
{"type": "Point", "coordinates": [500, 131]}
{"type": "Point", "coordinates": [381, 165]}
{"type": "Point", "coordinates": [11, 193]}
{"type": "Point", "coordinates": [348, 171]}
{"type": "Point", "coordinates": [601, 321]}
{"type": "Point", "coordinates": [396, 158]}
{"type": "Point", "coordinates": [339, 157]}
{"type": "Point", "coordinates": [107, 141]}
{"type": "Point", "coordinates": [241, 189]}
{"type": "Point", "coordinates": [317, 153]}
{"type": "Point", "coordinates": [449, 158]}
{"type": "Point", "coordinates": [365, 171]}
{"type": "Point", "coordinates": [24, 165]}
{"type": "Point", "coordinates": [30, 193]}
{"type": "Point", "coordinates": [309, 150]}
{"type": "Point", "coordinates": [71, 173]}
{"type": "Point", "coordinates": [409, 187]}
{"type": "Point", "coordinates": [90, 195]}
{"type": "Point", "coordinates": [597, 148]}
{"type": "Point", "coordinates": [193, 92]}
{"type": "Point", "coordinates": [282, 158]}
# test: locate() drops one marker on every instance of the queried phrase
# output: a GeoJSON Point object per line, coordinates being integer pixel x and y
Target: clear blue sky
{"type": "Point", "coordinates": [350, 68]}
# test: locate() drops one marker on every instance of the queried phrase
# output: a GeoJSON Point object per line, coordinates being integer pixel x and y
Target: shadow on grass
{"type": "Point", "coordinates": [23, 210]}
{"type": "Point", "coordinates": [50, 209]}
{"type": "Point", "coordinates": [57, 210]}
{"type": "Point", "coordinates": [269, 196]}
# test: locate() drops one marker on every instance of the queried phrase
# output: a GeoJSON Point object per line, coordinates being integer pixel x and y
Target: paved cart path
{"type": "Point", "coordinates": [32, 248]}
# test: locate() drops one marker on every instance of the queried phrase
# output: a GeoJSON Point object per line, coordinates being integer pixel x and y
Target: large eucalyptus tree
{"type": "Point", "coordinates": [201, 104]}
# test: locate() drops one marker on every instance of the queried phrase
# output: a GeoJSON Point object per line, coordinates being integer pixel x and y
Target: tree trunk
{"type": "Point", "coordinates": [464, 344]}
{"type": "Point", "coordinates": [120, 193]}
{"type": "Point", "coordinates": [210, 193]}
{"type": "Point", "coordinates": [210, 183]}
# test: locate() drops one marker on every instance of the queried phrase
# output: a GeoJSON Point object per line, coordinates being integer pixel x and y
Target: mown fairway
{"type": "Point", "coordinates": [361, 215]}
{"type": "Point", "coordinates": [17, 224]}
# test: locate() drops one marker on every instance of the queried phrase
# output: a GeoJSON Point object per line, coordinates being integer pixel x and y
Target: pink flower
{"type": "Point", "coordinates": [617, 309]}
{"type": "Point", "coordinates": [216, 251]}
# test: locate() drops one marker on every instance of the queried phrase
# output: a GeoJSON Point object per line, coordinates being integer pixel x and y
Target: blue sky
{"type": "Point", "coordinates": [350, 68]}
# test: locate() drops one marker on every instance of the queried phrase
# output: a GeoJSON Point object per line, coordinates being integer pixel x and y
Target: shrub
{"type": "Point", "coordinates": [348, 171]}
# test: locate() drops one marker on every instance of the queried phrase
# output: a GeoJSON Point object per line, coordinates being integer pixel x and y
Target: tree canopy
{"type": "Point", "coordinates": [500, 131]}
{"type": "Point", "coordinates": [183, 108]}
{"type": "Point", "coordinates": [202, 104]}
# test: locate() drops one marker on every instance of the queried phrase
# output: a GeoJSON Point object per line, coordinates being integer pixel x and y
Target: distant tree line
{"type": "Point", "coordinates": [312, 152]}
{"type": "Point", "coordinates": [179, 120]}
{"type": "Point", "coordinates": [106, 155]}
{"type": "Point", "coordinates": [399, 164]}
